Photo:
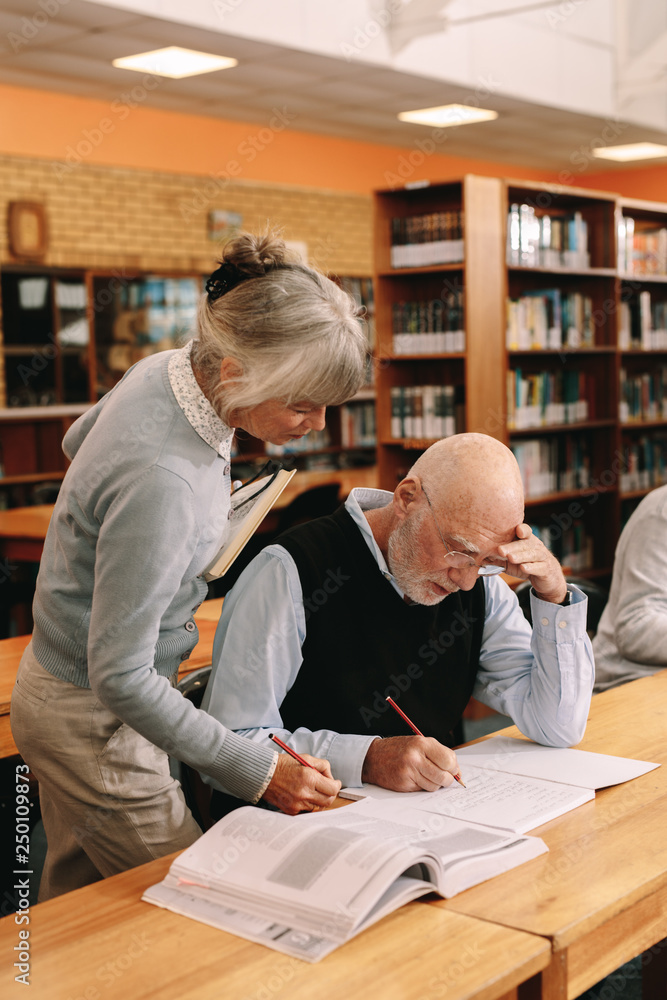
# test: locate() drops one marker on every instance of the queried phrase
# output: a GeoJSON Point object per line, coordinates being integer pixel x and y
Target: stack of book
{"type": "Point", "coordinates": [423, 240]}
{"type": "Point", "coordinates": [641, 251]}
{"type": "Point", "coordinates": [551, 241]}
{"type": "Point", "coordinates": [423, 411]}
{"type": "Point", "coordinates": [549, 398]}
{"type": "Point", "coordinates": [550, 319]}
{"type": "Point", "coordinates": [357, 425]}
{"type": "Point", "coordinates": [553, 465]}
{"type": "Point", "coordinates": [643, 396]}
{"type": "Point", "coordinates": [642, 323]}
{"type": "Point", "coordinates": [429, 327]}
{"type": "Point", "coordinates": [361, 289]}
{"type": "Point", "coordinates": [644, 462]}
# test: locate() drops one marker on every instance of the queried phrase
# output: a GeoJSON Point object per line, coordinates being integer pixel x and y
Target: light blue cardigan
{"type": "Point", "coordinates": [141, 512]}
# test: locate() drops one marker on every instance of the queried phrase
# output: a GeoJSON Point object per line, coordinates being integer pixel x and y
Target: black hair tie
{"type": "Point", "coordinates": [223, 280]}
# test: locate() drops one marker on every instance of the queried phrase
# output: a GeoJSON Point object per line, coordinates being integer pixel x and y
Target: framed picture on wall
{"type": "Point", "coordinates": [27, 230]}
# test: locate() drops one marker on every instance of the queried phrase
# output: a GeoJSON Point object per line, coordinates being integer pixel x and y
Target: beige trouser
{"type": "Point", "coordinates": [107, 798]}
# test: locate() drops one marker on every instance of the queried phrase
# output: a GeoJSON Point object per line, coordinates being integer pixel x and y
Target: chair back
{"type": "Point", "coordinates": [314, 502]}
{"type": "Point", "coordinates": [197, 794]}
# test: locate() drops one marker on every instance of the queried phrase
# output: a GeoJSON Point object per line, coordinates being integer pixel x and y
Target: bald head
{"type": "Point", "coordinates": [473, 477]}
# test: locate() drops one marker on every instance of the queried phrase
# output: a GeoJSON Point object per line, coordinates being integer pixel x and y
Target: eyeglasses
{"type": "Point", "coordinates": [461, 560]}
{"type": "Point", "coordinates": [270, 470]}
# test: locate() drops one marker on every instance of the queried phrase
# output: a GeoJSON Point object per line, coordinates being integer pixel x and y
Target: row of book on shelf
{"type": "Point", "coordinates": [558, 464]}
{"type": "Point", "coordinates": [423, 240]}
{"type": "Point", "coordinates": [549, 240]}
{"type": "Point", "coordinates": [550, 319]}
{"type": "Point", "coordinates": [644, 462]}
{"type": "Point", "coordinates": [642, 323]}
{"type": "Point", "coordinates": [548, 398]}
{"type": "Point", "coordinates": [643, 396]}
{"type": "Point", "coordinates": [357, 425]}
{"type": "Point", "coordinates": [568, 540]}
{"type": "Point", "coordinates": [641, 250]}
{"type": "Point", "coordinates": [435, 326]}
{"type": "Point", "coordinates": [424, 411]}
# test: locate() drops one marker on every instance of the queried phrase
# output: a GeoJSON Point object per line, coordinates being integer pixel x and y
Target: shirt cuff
{"type": "Point", "coordinates": [560, 622]}
{"type": "Point", "coordinates": [244, 768]}
{"type": "Point", "coordinates": [346, 755]}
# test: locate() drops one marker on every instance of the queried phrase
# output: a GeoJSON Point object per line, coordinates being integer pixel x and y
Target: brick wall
{"type": "Point", "coordinates": [105, 217]}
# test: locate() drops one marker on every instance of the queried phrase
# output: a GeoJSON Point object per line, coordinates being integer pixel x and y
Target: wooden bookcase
{"type": "Point", "coordinates": [575, 510]}
{"type": "Point", "coordinates": [642, 349]}
{"type": "Point", "coordinates": [568, 275]}
{"type": "Point", "coordinates": [476, 373]}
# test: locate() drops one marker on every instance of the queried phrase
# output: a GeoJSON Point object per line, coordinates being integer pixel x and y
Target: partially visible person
{"type": "Point", "coordinates": [142, 511]}
{"type": "Point", "coordinates": [400, 594]}
{"type": "Point", "coordinates": [631, 640]}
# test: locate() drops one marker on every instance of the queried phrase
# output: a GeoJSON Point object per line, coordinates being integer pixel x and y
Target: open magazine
{"type": "Point", "coordinates": [305, 884]}
{"type": "Point", "coordinates": [250, 505]}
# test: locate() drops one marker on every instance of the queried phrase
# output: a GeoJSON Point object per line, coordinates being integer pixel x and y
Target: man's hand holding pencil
{"type": "Point", "coordinates": [410, 763]}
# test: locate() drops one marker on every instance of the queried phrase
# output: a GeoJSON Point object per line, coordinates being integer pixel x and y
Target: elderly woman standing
{"type": "Point", "coordinates": [141, 513]}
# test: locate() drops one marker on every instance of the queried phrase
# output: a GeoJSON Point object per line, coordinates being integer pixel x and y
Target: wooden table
{"type": "Point", "coordinates": [23, 529]}
{"type": "Point", "coordinates": [11, 651]}
{"type": "Point", "coordinates": [22, 532]}
{"type": "Point", "coordinates": [600, 895]}
{"type": "Point", "coordinates": [103, 943]}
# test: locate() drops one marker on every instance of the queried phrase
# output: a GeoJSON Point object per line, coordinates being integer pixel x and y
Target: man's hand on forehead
{"type": "Point", "coordinates": [528, 557]}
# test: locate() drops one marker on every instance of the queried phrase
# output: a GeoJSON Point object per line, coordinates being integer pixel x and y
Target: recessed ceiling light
{"type": "Point", "coordinates": [631, 151]}
{"type": "Point", "coordinates": [447, 115]}
{"type": "Point", "coordinates": [175, 62]}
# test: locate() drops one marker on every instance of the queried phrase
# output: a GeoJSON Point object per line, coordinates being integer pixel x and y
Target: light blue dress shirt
{"type": "Point", "coordinates": [542, 678]}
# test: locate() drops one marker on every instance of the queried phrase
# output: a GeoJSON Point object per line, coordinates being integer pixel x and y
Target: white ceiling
{"type": "Point", "coordinates": [71, 52]}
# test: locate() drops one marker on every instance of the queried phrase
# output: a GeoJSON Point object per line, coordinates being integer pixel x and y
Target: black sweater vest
{"type": "Point", "coordinates": [363, 642]}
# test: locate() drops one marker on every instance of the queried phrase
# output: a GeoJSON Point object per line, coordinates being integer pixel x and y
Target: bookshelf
{"type": "Point", "coordinates": [562, 353]}
{"type": "Point", "coordinates": [642, 348]}
{"type": "Point", "coordinates": [562, 366]}
{"type": "Point", "coordinates": [435, 331]}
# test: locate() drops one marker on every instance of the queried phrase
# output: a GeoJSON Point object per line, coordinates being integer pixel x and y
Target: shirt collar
{"type": "Point", "coordinates": [196, 407]}
{"type": "Point", "coordinates": [360, 499]}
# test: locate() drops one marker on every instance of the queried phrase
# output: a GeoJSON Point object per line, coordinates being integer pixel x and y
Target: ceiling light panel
{"type": "Point", "coordinates": [631, 151]}
{"type": "Point", "coordinates": [175, 62]}
{"type": "Point", "coordinates": [448, 115]}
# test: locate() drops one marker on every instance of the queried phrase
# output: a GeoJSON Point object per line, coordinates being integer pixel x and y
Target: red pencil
{"type": "Point", "coordinates": [415, 730]}
{"type": "Point", "coordinates": [292, 753]}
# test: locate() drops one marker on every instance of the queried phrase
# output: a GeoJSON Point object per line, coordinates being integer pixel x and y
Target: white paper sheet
{"type": "Point", "coordinates": [571, 767]}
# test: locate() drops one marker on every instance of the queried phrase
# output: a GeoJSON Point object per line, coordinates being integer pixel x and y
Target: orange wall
{"type": "Point", "coordinates": [122, 133]}
{"type": "Point", "coordinates": [649, 183]}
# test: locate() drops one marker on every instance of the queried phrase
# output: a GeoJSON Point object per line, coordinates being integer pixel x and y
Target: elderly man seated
{"type": "Point", "coordinates": [398, 594]}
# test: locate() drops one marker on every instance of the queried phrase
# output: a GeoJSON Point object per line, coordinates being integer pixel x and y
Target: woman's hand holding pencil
{"type": "Point", "coordinates": [300, 783]}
